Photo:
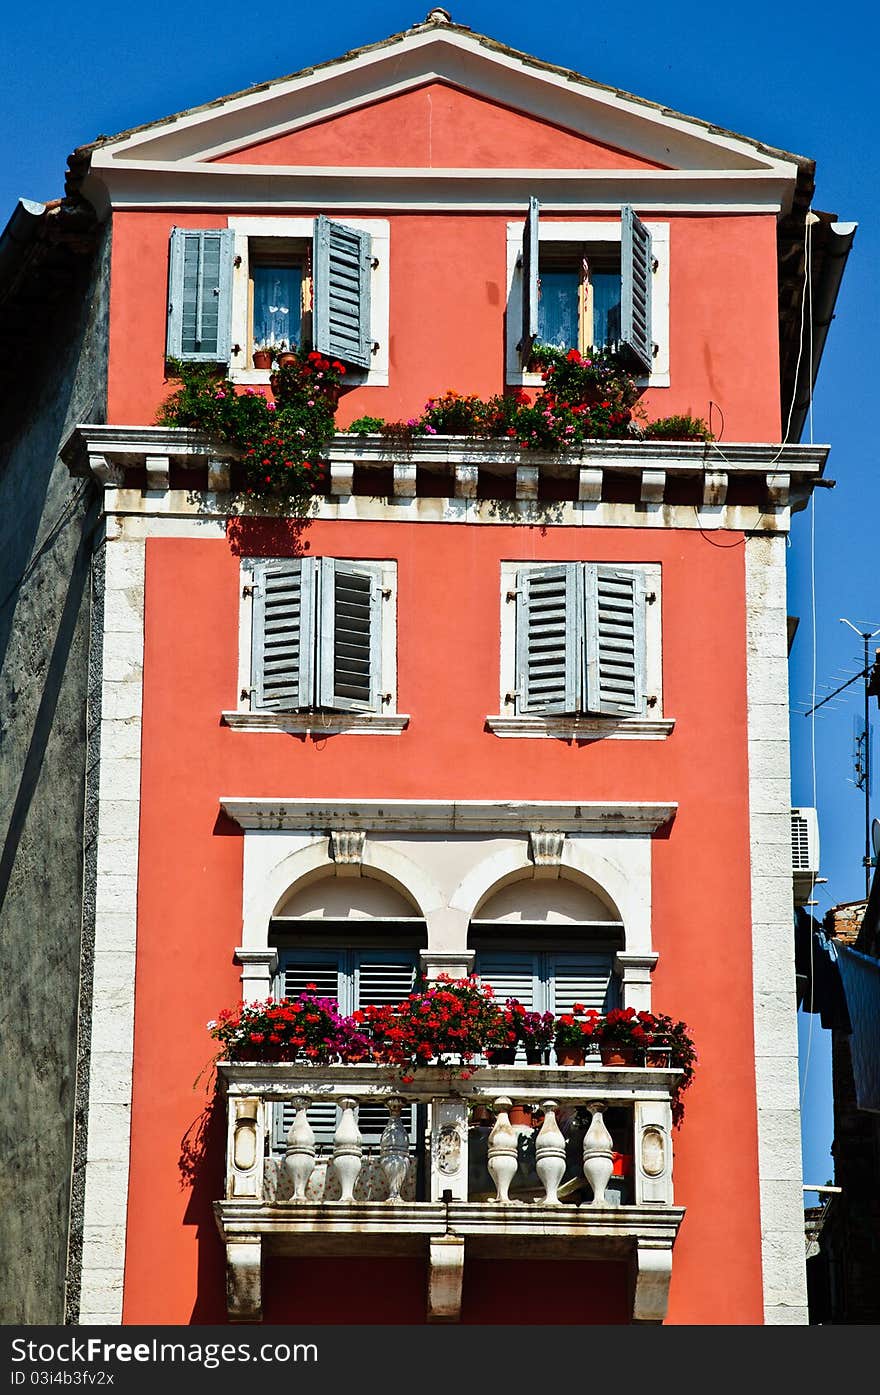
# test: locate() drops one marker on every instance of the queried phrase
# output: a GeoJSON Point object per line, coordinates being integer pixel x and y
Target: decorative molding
{"type": "Point", "coordinates": [440, 815]}
{"type": "Point", "coordinates": [318, 724]}
{"type": "Point", "coordinates": [583, 728]}
{"type": "Point", "coordinates": [347, 851]}
{"type": "Point", "coordinates": [455, 963]}
{"type": "Point", "coordinates": [445, 1277]}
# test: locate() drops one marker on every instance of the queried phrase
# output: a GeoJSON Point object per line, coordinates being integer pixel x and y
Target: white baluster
{"type": "Point", "coordinates": [550, 1154]}
{"type": "Point", "coordinates": [598, 1155]}
{"type": "Point", "coordinates": [347, 1150]}
{"type": "Point", "coordinates": [503, 1158]}
{"type": "Point", "coordinates": [299, 1157]}
{"type": "Point", "coordinates": [394, 1148]}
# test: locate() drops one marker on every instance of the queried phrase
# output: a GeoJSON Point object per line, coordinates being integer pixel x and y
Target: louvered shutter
{"type": "Point", "coordinates": [350, 636]}
{"type": "Point", "coordinates": [326, 969]}
{"type": "Point", "coordinates": [548, 638]}
{"type": "Point", "coordinates": [282, 651]}
{"type": "Point", "coordinates": [529, 282]}
{"type": "Point", "coordinates": [381, 978]}
{"type": "Point", "coordinates": [200, 295]}
{"type": "Point", "coordinates": [512, 974]}
{"type": "Point", "coordinates": [636, 271]}
{"type": "Point", "coordinates": [614, 647]}
{"type": "Point", "coordinates": [579, 978]}
{"type": "Point", "coordinates": [341, 300]}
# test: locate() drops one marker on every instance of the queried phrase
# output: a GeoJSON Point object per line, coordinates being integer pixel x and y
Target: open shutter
{"type": "Point", "coordinates": [282, 651]}
{"type": "Point", "coordinates": [326, 969]}
{"type": "Point", "coordinates": [529, 283]}
{"type": "Point", "coordinates": [350, 636]}
{"type": "Point", "coordinates": [579, 978]}
{"type": "Point", "coordinates": [614, 648]}
{"type": "Point", "coordinates": [341, 302]}
{"type": "Point", "coordinates": [512, 974]}
{"type": "Point", "coordinates": [382, 977]}
{"type": "Point", "coordinates": [636, 271]}
{"type": "Point", "coordinates": [200, 295]}
{"type": "Point", "coordinates": [548, 638]}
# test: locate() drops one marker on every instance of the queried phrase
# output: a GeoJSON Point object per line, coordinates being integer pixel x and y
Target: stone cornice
{"type": "Point", "coordinates": [439, 815]}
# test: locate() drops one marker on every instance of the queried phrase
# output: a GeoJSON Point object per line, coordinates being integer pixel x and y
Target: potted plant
{"type": "Point", "coordinates": [500, 1036]}
{"type": "Point", "coordinates": [307, 1028]}
{"type": "Point", "coordinates": [264, 354]}
{"type": "Point", "coordinates": [534, 1031]}
{"type": "Point", "coordinates": [573, 1034]}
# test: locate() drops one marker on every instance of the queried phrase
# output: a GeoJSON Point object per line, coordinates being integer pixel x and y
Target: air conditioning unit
{"type": "Point", "coordinates": [804, 853]}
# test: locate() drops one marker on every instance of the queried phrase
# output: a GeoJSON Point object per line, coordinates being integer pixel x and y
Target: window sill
{"type": "Point", "coordinates": [566, 728]}
{"type": "Point", "coordinates": [319, 723]}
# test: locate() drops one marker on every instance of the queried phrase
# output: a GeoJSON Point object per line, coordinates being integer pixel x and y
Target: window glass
{"type": "Point", "coordinates": [277, 304]}
{"type": "Point", "coordinates": [606, 308]}
{"type": "Point", "coordinates": [558, 307]}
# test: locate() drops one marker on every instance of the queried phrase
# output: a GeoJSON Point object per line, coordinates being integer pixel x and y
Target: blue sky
{"type": "Point", "coordinates": [801, 77]}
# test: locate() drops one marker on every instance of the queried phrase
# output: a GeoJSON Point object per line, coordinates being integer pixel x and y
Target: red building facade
{"type": "Point", "coordinates": [445, 818]}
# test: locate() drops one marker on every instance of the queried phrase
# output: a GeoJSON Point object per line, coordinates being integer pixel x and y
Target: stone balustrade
{"type": "Point", "coordinates": [577, 1159]}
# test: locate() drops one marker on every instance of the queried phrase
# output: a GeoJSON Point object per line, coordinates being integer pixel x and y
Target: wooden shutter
{"type": "Point", "coordinates": [341, 301]}
{"type": "Point", "coordinates": [577, 977]}
{"type": "Point", "coordinates": [512, 974]}
{"type": "Point", "coordinates": [200, 295]}
{"type": "Point", "coordinates": [636, 271]}
{"type": "Point", "coordinates": [548, 638]}
{"type": "Point", "coordinates": [614, 648]}
{"type": "Point", "coordinates": [282, 650]}
{"type": "Point", "coordinates": [349, 625]}
{"type": "Point", "coordinates": [381, 977]}
{"type": "Point", "coordinates": [529, 283]}
{"type": "Point", "coordinates": [326, 969]}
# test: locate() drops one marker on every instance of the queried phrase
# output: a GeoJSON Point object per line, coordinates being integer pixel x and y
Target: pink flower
{"type": "Point", "coordinates": [311, 402]}
{"type": "Point", "coordinates": [219, 393]}
{"type": "Point", "coordinates": [270, 406]}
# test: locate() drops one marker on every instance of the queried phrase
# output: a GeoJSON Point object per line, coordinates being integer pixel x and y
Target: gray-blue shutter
{"type": "Point", "coordinates": [341, 293]}
{"type": "Point", "coordinates": [349, 626]}
{"type": "Point", "coordinates": [577, 977]}
{"type": "Point", "coordinates": [381, 977]}
{"type": "Point", "coordinates": [614, 647]}
{"type": "Point", "coordinates": [548, 638]}
{"type": "Point", "coordinates": [512, 974]}
{"type": "Point", "coordinates": [326, 969]}
{"type": "Point", "coordinates": [529, 268]}
{"type": "Point", "coordinates": [282, 649]}
{"type": "Point", "coordinates": [636, 271]}
{"type": "Point", "coordinates": [200, 295]}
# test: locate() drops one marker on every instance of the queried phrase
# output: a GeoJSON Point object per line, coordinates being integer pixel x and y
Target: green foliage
{"type": "Point", "coordinates": [366, 425]}
{"type": "Point", "coordinates": [678, 428]}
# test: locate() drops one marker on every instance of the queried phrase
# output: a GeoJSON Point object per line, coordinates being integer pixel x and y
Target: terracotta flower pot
{"type": "Point", "coordinates": [520, 1114]}
{"type": "Point", "coordinates": [537, 1055]}
{"type": "Point", "coordinates": [658, 1056]}
{"type": "Point", "coordinates": [262, 358]}
{"type": "Point", "coordinates": [617, 1055]}
{"type": "Point", "coordinates": [623, 1165]}
{"type": "Point", "coordinates": [286, 358]}
{"type": "Point", "coordinates": [570, 1055]}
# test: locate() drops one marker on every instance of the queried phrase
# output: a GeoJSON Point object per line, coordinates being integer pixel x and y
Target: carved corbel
{"type": "Point", "coordinates": [590, 485]}
{"type": "Point", "coordinates": [157, 468]}
{"type": "Point", "coordinates": [347, 851]}
{"type": "Point", "coordinates": [445, 1276]}
{"type": "Point", "coordinates": [545, 850]}
{"type": "Point", "coordinates": [404, 479]}
{"type": "Point", "coordinates": [110, 476]}
{"type": "Point", "coordinates": [651, 1273]}
{"type": "Point", "coordinates": [527, 482]}
{"type": "Point", "coordinates": [244, 1280]}
{"type": "Point", "coordinates": [341, 478]}
{"type": "Point", "coordinates": [653, 486]}
{"type": "Point", "coordinates": [466, 477]}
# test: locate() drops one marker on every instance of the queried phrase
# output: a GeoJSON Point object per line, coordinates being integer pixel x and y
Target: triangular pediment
{"type": "Point", "coordinates": [436, 124]}
{"type": "Point", "coordinates": [589, 119]}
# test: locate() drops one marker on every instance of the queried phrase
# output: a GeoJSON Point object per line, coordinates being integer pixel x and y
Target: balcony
{"type": "Point", "coordinates": [443, 1171]}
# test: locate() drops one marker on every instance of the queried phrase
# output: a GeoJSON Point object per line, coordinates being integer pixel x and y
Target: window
{"type": "Point", "coordinates": [322, 635]}
{"type": "Point", "coordinates": [550, 980]}
{"type": "Point", "coordinates": [578, 284]}
{"type": "Point", "coordinates": [355, 978]}
{"type": "Point", "coordinates": [261, 281]}
{"type": "Point", "coordinates": [580, 639]}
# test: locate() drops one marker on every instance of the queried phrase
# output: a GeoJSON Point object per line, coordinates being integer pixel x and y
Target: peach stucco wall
{"type": "Point", "coordinates": [189, 900]}
{"type": "Point", "coordinates": [437, 126]}
{"type": "Point", "coordinates": [448, 293]}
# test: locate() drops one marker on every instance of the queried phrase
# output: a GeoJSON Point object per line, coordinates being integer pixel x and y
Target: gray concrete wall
{"type": "Point", "coordinates": [46, 542]}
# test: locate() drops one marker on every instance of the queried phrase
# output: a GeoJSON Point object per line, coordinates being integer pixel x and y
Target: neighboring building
{"type": "Point", "coordinates": [844, 971]}
{"type": "Point", "coordinates": [441, 811]}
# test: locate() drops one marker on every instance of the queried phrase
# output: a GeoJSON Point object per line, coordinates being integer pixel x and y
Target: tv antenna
{"type": "Point", "coordinates": [862, 753]}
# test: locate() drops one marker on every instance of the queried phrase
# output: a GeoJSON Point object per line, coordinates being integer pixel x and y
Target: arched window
{"type": "Point", "coordinates": [549, 943]}
{"type": "Point", "coordinates": [358, 941]}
